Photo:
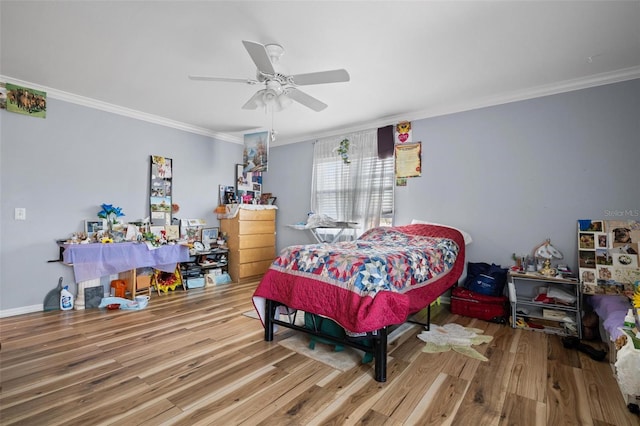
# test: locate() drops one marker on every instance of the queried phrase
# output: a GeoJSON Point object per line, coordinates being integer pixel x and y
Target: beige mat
{"type": "Point", "coordinates": [299, 317]}
{"type": "Point", "coordinates": [251, 314]}
{"type": "Point", "coordinates": [454, 337]}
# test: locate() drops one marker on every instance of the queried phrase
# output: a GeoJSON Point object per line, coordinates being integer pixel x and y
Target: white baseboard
{"type": "Point", "coordinates": [39, 308]}
{"type": "Point", "coordinates": [22, 310]}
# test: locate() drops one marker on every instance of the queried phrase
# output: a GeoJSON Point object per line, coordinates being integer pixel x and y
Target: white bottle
{"type": "Point", "coordinates": [66, 299]}
{"type": "Point", "coordinates": [629, 319]}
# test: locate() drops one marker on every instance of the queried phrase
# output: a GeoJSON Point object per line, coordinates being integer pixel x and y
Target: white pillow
{"type": "Point", "coordinates": [467, 238]}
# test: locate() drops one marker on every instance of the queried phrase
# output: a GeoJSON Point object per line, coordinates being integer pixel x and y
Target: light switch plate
{"type": "Point", "coordinates": [21, 213]}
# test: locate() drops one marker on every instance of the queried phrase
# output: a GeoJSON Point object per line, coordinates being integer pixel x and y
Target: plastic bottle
{"type": "Point", "coordinates": [66, 299]}
{"type": "Point", "coordinates": [629, 319]}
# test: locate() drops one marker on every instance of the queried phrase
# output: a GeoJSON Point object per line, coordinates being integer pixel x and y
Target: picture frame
{"type": "Point", "coordinates": [264, 197]}
{"type": "Point", "coordinates": [94, 225]}
{"type": "Point", "coordinates": [586, 240]}
{"type": "Point", "coordinates": [602, 240]}
{"type": "Point", "coordinates": [209, 235]}
{"type": "Point", "coordinates": [256, 151]}
{"type": "Point", "coordinates": [172, 232]}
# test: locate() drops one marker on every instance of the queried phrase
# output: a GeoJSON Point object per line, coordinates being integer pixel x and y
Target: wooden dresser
{"type": "Point", "coordinates": [251, 238]}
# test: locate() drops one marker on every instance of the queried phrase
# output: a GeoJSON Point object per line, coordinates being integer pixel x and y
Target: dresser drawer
{"type": "Point", "coordinates": [254, 241]}
{"type": "Point", "coordinates": [256, 254]}
{"type": "Point", "coordinates": [257, 214]}
{"type": "Point", "coordinates": [256, 227]}
{"type": "Point", "coordinates": [243, 227]}
{"type": "Point", "coordinates": [255, 268]}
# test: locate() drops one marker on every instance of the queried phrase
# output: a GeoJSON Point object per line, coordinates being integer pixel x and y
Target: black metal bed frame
{"type": "Point", "coordinates": [378, 338]}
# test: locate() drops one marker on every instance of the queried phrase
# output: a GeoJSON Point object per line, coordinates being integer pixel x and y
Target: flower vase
{"type": "Point", "coordinates": [110, 221]}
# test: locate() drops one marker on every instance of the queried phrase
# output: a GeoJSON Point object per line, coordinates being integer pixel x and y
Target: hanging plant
{"type": "Point", "coordinates": [343, 150]}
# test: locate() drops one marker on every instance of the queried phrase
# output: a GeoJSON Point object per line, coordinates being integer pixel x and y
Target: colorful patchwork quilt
{"type": "Point", "coordinates": [377, 280]}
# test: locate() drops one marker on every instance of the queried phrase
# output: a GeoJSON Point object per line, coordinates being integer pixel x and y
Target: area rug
{"type": "Point", "coordinates": [454, 337]}
{"type": "Point", "coordinates": [251, 314]}
{"type": "Point", "coordinates": [343, 360]}
{"type": "Point", "coordinates": [299, 316]}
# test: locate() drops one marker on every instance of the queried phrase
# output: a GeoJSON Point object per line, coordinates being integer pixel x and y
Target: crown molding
{"type": "Point", "coordinates": [500, 99]}
{"type": "Point", "coordinates": [127, 112]}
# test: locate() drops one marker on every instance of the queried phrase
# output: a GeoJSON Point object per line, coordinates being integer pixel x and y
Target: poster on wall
{"type": "Point", "coordinates": [408, 160]}
{"type": "Point", "coordinates": [160, 190]}
{"type": "Point", "coordinates": [256, 152]}
{"type": "Point", "coordinates": [23, 100]}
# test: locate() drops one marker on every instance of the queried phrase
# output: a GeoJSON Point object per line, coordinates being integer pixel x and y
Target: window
{"type": "Point", "coordinates": [355, 186]}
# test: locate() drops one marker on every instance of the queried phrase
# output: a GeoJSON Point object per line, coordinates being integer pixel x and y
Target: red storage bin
{"type": "Point", "coordinates": [475, 305]}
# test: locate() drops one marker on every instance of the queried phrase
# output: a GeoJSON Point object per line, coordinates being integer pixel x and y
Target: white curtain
{"type": "Point", "coordinates": [360, 190]}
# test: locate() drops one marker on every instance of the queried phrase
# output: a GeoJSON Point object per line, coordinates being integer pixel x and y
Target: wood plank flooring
{"type": "Point", "coordinates": [192, 358]}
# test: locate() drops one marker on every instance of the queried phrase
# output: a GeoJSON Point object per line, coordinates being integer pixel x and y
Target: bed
{"type": "Point", "coordinates": [366, 286]}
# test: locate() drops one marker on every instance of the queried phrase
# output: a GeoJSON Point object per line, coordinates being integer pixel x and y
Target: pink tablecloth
{"type": "Point", "coordinates": [92, 261]}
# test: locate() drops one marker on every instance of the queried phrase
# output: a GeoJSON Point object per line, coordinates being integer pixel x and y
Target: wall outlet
{"type": "Point", "coordinates": [21, 213]}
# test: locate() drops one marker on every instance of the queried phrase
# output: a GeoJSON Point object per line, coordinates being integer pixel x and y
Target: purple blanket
{"type": "Point", "coordinates": [92, 261]}
{"type": "Point", "coordinates": [611, 309]}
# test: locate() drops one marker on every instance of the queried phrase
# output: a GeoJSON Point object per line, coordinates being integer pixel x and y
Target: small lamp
{"type": "Point", "coordinates": [547, 252]}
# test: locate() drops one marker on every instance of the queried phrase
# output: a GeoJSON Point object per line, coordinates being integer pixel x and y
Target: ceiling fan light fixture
{"type": "Point", "coordinates": [269, 96]}
{"type": "Point", "coordinates": [280, 88]}
{"type": "Point", "coordinates": [275, 51]}
{"type": "Point", "coordinates": [282, 102]}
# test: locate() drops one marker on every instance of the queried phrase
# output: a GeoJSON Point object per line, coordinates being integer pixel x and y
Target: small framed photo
{"type": "Point", "coordinates": [596, 226]}
{"type": "Point", "coordinates": [93, 226]}
{"type": "Point", "coordinates": [602, 240]}
{"type": "Point", "coordinates": [209, 235]}
{"type": "Point", "coordinates": [587, 241]}
{"type": "Point", "coordinates": [588, 276]}
{"type": "Point", "coordinates": [172, 232]}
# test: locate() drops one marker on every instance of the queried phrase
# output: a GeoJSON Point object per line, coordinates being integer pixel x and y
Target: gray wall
{"type": "Point", "coordinates": [511, 175]}
{"type": "Point", "coordinates": [62, 168]}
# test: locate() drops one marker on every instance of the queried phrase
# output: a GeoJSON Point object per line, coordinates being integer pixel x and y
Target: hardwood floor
{"type": "Point", "coordinates": [192, 358]}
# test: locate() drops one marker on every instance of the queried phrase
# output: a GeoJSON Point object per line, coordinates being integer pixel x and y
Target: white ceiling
{"type": "Point", "coordinates": [407, 60]}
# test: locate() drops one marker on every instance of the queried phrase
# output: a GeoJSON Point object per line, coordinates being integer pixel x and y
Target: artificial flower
{"type": "Point", "coordinates": [110, 213]}
{"type": "Point", "coordinates": [343, 150]}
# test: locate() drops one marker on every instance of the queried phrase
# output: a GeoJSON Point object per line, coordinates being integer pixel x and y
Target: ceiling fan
{"type": "Point", "coordinates": [279, 89]}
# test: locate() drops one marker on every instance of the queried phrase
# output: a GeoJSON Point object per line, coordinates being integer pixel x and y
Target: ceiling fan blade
{"type": "Point", "coordinates": [321, 77]}
{"type": "Point", "coordinates": [306, 100]}
{"type": "Point", "coordinates": [223, 79]}
{"type": "Point", "coordinates": [259, 56]}
{"type": "Point", "coordinates": [252, 103]}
